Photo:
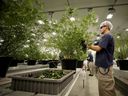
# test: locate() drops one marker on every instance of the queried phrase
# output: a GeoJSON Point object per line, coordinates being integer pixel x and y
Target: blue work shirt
{"type": "Point", "coordinates": [104, 57]}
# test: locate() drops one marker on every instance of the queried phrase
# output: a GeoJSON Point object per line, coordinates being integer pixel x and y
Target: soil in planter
{"type": "Point", "coordinates": [53, 74]}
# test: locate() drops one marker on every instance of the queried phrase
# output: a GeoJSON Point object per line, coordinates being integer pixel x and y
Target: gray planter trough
{"type": "Point", "coordinates": [44, 86]}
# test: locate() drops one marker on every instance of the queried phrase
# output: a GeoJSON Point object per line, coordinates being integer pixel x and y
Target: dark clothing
{"type": "Point", "coordinates": [90, 57]}
{"type": "Point", "coordinates": [104, 58]}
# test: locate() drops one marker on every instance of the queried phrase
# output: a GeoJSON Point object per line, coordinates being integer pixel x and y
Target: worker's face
{"type": "Point", "coordinates": [102, 29]}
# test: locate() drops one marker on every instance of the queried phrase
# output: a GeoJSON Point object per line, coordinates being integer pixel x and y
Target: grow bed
{"type": "Point", "coordinates": [37, 82]}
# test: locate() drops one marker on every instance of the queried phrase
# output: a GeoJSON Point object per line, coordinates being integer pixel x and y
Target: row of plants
{"type": "Point", "coordinates": [22, 37]}
{"type": "Point", "coordinates": [26, 33]}
{"type": "Point", "coordinates": [16, 22]}
{"type": "Point", "coordinates": [121, 47]}
{"type": "Point", "coordinates": [17, 19]}
{"type": "Point", "coordinates": [121, 50]}
{"type": "Point", "coordinates": [70, 33]}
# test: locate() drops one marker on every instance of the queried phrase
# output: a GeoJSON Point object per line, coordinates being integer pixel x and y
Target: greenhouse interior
{"type": "Point", "coordinates": [63, 47]}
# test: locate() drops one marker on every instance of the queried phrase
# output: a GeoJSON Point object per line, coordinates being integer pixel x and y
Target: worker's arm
{"type": "Point", "coordinates": [95, 47]}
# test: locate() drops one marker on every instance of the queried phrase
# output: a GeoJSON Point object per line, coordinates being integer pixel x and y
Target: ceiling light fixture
{"type": "Point", "coordinates": [126, 29]}
{"type": "Point", "coordinates": [109, 16]}
{"type": "Point", "coordinates": [90, 9]}
{"type": "Point", "coordinates": [97, 19]}
{"type": "Point", "coordinates": [40, 22]}
{"type": "Point", "coordinates": [51, 14]}
{"type": "Point", "coordinates": [53, 33]}
{"type": "Point", "coordinates": [72, 18]}
{"type": "Point", "coordinates": [118, 37]}
{"type": "Point", "coordinates": [111, 11]}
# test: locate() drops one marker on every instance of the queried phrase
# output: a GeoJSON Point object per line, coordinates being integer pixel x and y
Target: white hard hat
{"type": "Point", "coordinates": [107, 23]}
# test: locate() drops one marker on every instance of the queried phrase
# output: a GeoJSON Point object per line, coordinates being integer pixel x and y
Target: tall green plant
{"type": "Point", "coordinates": [16, 20]}
{"type": "Point", "coordinates": [121, 48]}
{"type": "Point", "coordinates": [70, 33]}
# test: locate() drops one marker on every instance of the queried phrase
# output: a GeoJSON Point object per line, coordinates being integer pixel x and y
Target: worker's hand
{"type": "Point", "coordinates": [89, 46]}
{"type": "Point", "coordinates": [96, 42]}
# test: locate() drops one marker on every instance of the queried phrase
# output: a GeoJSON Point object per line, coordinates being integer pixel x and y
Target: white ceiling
{"type": "Point", "coordinates": [119, 20]}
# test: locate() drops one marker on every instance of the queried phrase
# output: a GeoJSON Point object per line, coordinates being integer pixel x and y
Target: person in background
{"type": "Point", "coordinates": [84, 65]}
{"type": "Point", "coordinates": [90, 64]}
{"type": "Point", "coordinates": [104, 60]}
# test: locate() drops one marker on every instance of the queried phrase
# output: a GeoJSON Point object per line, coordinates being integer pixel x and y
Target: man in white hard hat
{"type": "Point", "coordinates": [104, 60]}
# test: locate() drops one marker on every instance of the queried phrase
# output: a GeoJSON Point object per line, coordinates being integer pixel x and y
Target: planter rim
{"type": "Point", "coordinates": [45, 79]}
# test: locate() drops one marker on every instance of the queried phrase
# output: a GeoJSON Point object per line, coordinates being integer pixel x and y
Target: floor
{"type": "Point", "coordinates": [87, 86]}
